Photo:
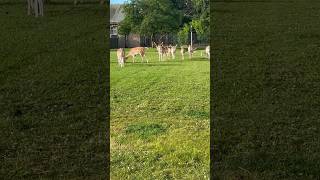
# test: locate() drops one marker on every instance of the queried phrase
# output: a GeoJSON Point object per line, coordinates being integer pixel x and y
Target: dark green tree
{"type": "Point", "coordinates": [149, 17]}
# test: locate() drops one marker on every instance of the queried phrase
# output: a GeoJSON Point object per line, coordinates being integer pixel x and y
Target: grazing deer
{"type": "Point", "coordinates": [135, 51]}
{"type": "Point", "coordinates": [121, 56]}
{"type": "Point", "coordinates": [208, 51]}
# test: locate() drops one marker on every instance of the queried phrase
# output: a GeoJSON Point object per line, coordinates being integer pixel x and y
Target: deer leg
{"type": "Point", "coordinates": [36, 8]}
{"type": "Point", "coordinates": [144, 56]}
{"type": "Point", "coordinates": [121, 62]}
{"type": "Point", "coordinates": [35, 5]}
{"type": "Point", "coordinates": [29, 7]}
{"type": "Point", "coordinates": [41, 7]}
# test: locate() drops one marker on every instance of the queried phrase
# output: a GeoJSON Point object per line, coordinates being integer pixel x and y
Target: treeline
{"type": "Point", "coordinates": [150, 17]}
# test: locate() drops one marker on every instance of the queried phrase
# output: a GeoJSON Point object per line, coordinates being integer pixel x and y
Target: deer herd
{"type": "Point", "coordinates": [167, 51]}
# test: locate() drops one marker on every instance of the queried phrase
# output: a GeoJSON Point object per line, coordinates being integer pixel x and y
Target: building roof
{"type": "Point", "coordinates": [116, 13]}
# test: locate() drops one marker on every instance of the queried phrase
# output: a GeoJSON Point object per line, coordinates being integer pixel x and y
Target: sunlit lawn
{"type": "Point", "coordinates": [160, 118]}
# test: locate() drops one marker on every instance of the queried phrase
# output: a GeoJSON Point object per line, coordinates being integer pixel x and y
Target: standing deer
{"type": "Point", "coordinates": [190, 51]}
{"type": "Point", "coordinates": [135, 51]}
{"type": "Point", "coordinates": [208, 51]}
{"type": "Point", "coordinates": [182, 51]}
{"type": "Point", "coordinates": [173, 51]}
{"type": "Point", "coordinates": [160, 50]}
{"type": "Point", "coordinates": [121, 56]}
{"type": "Point", "coordinates": [166, 50]}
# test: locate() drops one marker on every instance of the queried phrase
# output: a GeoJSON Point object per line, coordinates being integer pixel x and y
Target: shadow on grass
{"type": "Point", "coordinates": [174, 63]}
{"type": "Point", "coordinates": [222, 11]}
{"type": "Point", "coordinates": [152, 64]}
{"type": "Point", "coordinates": [202, 59]}
{"type": "Point", "coordinates": [163, 64]}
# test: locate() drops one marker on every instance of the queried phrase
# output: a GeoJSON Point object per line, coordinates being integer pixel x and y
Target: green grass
{"type": "Point", "coordinates": [160, 118]}
{"type": "Point", "coordinates": [265, 74]}
{"type": "Point", "coordinates": [52, 92]}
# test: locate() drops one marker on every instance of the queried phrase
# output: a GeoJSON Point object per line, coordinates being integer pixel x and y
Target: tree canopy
{"type": "Point", "coordinates": [149, 17]}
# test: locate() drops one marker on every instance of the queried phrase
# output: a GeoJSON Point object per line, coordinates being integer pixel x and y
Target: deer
{"type": "Point", "coordinates": [166, 50]}
{"type": "Point", "coordinates": [182, 51]}
{"type": "Point", "coordinates": [135, 51]}
{"type": "Point", "coordinates": [173, 51]}
{"type": "Point", "coordinates": [190, 51]}
{"type": "Point", "coordinates": [208, 51]}
{"type": "Point", "coordinates": [121, 56]}
{"type": "Point", "coordinates": [160, 50]}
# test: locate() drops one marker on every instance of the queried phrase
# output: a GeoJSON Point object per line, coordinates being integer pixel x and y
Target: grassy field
{"type": "Point", "coordinates": [265, 82]}
{"type": "Point", "coordinates": [53, 73]}
{"type": "Point", "coordinates": [160, 118]}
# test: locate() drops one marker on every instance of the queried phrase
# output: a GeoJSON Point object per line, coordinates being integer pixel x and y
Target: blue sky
{"type": "Point", "coordinates": [117, 1]}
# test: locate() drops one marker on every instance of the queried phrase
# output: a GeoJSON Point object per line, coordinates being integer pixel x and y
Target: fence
{"type": "Point", "coordinates": [135, 40]}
